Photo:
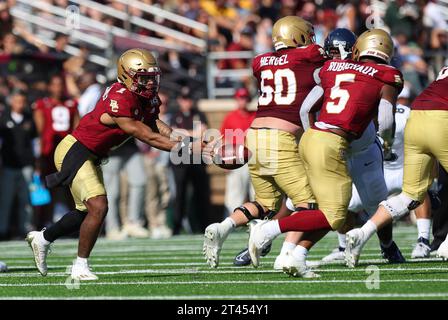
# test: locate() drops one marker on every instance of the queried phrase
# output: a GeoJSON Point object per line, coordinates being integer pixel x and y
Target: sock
{"type": "Point", "coordinates": [287, 247]}
{"type": "Point", "coordinates": [387, 245]}
{"type": "Point", "coordinates": [368, 229]}
{"type": "Point", "coordinates": [272, 229]}
{"type": "Point", "coordinates": [228, 225]}
{"type": "Point", "coordinates": [81, 261]}
{"type": "Point", "coordinates": [69, 223]}
{"type": "Point", "coordinates": [42, 239]}
{"type": "Point", "coordinates": [342, 240]}
{"type": "Point", "coordinates": [424, 227]}
{"type": "Point", "coordinates": [306, 220]}
{"type": "Point", "coordinates": [300, 253]}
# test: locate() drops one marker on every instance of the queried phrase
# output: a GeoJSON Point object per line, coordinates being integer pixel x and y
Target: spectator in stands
{"type": "Point", "coordinates": [126, 159]}
{"type": "Point", "coordinates": [269, 9]}
{"type": "Point", "coordinates": [401, 17]}
{"type": "Point", "coordinates": [225, 15]}
{"type": "Point", "coordinates": [17, 132]}
{"type": "Point", "coordinates": [158, 188]}
{"type": "Point", "coordinates": [413, 66]}
{"type": "Point", "coordinates": [189, 118]}
{"type": "Point", "coordinates": [61, 42]}
{"type": "Point", "coordinates": [234, 127]}
{"type": "Point", "coordinates": [86, 89]}
{"type": "Point", "coordinates": [347, 15]}
{"type": "Point", "coordinates": [263, 38]}
{"type": "Point", "coordinates": [55, 116]}
{"type": "Point", "coordinates": [5, 19]}
{"type": "Point", "coordinates": [10, 45]}
{"type": "Point", "coordinates": [308, 12]}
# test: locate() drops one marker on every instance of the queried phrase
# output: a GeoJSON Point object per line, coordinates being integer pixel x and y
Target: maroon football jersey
{"type": "Point", "coordinates": [284, 80]}
{"type": "Point", "coordinates": [116, 101]}
{"type": "Point", "coordinates": [352, 92]}
{"type": "Point", "coordinates": [58, 121]}
{"type": "Point", "coordinates": [435, 97]}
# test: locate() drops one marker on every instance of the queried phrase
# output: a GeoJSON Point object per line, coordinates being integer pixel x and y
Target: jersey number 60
{"type": "Point", "coordinates": [268, 93]}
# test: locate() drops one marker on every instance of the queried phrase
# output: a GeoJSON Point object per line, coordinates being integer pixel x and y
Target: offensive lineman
{"type": "Point", "coordinates": [425, 139]}
{"type": "Point", "coordinates": [354, 91]}
{"type": "Point", "coordinates": [365, 165]}
{"type": "Point", "coordinates": [285, 78]}
{"type": "Point", "coordinates": [128, 108]}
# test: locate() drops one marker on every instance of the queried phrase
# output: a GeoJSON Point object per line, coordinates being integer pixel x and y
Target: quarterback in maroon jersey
{"type": "Point", "coordinates": [55, 118]}
{"type": "Point", "coordinates": [355, 91]}
{"type": "Point", "coordinates": [284, 77]}
{"type": "Point", "coordinates": [425, 142]}
{"type": "Point", "coordinates": [129, 108]}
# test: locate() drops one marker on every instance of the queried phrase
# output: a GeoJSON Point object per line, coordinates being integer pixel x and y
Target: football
{"type": "Point", "coordinates": [231, 156]}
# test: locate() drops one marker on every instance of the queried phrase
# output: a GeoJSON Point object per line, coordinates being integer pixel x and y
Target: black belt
{"type": "Point", "coordinates": [76, 156]}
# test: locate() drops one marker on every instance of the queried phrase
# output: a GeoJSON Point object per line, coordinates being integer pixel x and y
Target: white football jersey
{"type": "Point", "coordinates": [401, 117]}
{"type": "Point", "coordinates": [364, 142]}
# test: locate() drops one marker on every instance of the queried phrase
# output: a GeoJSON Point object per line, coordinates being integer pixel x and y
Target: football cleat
{"type": "Point", "coordinates": [442, 252]}
{"type": "Point", "coordinates": [40, 250]}
{"type": "Point", "coordinates": [3, 267]}
{"type": "Point", "coordinates": [298, 268]}
{"type": "Point", "coordinates": [337, 254]}
{"type": "Point", "coordinates": [243, 258]}
{"type": "Point", "coordinates": [281, 260]}
{"type": "Point", "coordinates": [421, 249]}
{"type": "Point", "coordinates": [82, 272]}
{"type": "Point", "coordinates": [392, 254]}
{"type": "Point", "coordinates": [258, 240]}
{"type": "Point", "coordinates": [214, 238]}
{"type": "Point", "coordinates": [355, 243]}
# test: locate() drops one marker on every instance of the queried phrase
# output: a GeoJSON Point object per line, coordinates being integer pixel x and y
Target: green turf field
{"type": "Point", "coordinates": [175, 269]}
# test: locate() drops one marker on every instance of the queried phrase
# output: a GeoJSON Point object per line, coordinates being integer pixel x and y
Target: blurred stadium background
{"type": "Point", "coordinates": [204, 45]}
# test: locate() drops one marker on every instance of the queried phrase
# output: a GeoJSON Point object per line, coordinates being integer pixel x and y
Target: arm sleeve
{"type": "Point", "coordinates": [386, 120]}
{"type": "Point", "coordinates": [315, 94]}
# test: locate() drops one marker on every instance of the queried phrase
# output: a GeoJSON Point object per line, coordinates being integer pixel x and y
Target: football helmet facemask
{"type": "Point", "coordinates": [138, 70]}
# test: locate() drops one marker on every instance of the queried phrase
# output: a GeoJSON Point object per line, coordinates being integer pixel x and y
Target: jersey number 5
{"type": "Point", "coordinates": [268, 93]}
{"type": "Point", "coordinates": [337, 93]}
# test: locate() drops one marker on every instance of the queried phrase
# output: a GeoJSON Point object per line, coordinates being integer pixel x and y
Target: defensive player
{"type": "Point", "coordinates": [425, 139]}
{"type": "Point", "coordinates": [285, 77]}
{"type": "Point", "coordinates": [128, 108]}
{"type": "Point", "coordinates": [354, 92]}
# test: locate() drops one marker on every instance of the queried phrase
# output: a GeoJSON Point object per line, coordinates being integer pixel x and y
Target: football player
{"type": "Point", "coordinates": [425, 139]}
{"type": "Point", "coordinates": [354, 92]}
{"type": "Point", "coordinates": [285, 77]}
{"type": "Point", "coordinates": [128, 108]}
{"type": "Point", "coordinates": [365, 164]}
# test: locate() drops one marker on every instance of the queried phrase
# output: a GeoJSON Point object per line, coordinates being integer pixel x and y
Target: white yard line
{"type": "Point", "coordinates": [30, 264]}
{"type": "Point", "coordinates": [224, 270]}
{"type": "Point", "coordinates": [242, 297]}
{"type": "Point", "coordinates": [151, 283]}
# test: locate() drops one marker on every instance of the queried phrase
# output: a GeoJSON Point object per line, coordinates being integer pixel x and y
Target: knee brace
{"type": "Point", "coordinates": [400, 205]}
{"type": "Point", "coordinates": [261, 213]}
{"type": "Point", "coordinates": [290, 206]}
